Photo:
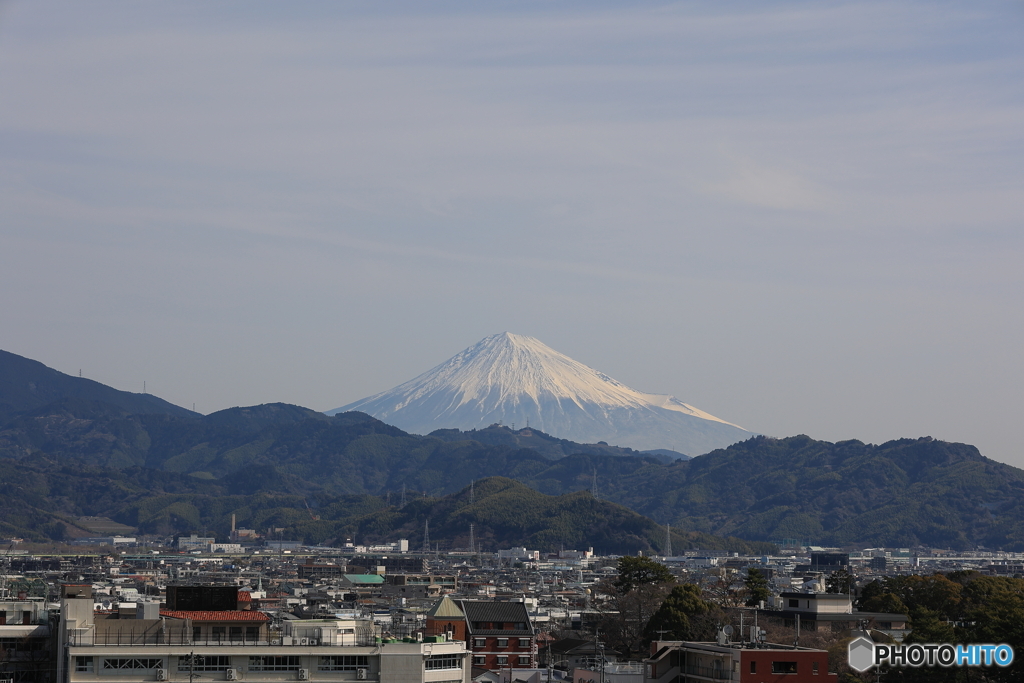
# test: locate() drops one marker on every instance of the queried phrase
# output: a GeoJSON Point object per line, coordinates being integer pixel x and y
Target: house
{"type": "Point", "coordinates": [689, 662]}
{"type": "Point", "coordinates": [832, 611]}
{"type": "Point", "coordinates": [500, 635]}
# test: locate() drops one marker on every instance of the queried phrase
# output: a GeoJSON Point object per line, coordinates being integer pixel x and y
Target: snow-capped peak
{"type": "Point", "coordinates": [513, 368]}
{"type": "Point", "coordinates": [512, 378]}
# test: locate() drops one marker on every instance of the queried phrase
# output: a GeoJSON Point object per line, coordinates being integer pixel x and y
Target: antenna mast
{"type": "Point", "coordinates": [426, 536]}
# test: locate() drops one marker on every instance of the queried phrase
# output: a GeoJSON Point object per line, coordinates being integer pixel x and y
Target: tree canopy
{"type": "Point", "coordinates": [641, 571]}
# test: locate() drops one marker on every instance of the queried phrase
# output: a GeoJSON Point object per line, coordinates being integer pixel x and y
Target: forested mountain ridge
{"type": "Point", "coordinates": [27, 384]}
{"type": "Point", "coordinates": [901, 493]}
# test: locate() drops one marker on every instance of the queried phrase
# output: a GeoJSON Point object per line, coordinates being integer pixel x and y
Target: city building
{"type": "Point", "coordinates": [687, 662]}
{"type": "Point", "coordinates": [331, 651]}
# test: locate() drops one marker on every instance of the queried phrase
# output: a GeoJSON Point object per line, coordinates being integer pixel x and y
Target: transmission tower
{"type": "Point", "coordinates": [426, 536]}
{"type": "Point", "coordinates": [472, 491]}
{"type": "Point", "coordinates": [668, 540]}
{"type": "Point", "coordinates": [593, 485]}
{"type": "Point", "coordinates": [403, 495]}
{"type": "Point", "coordinates": [472, 540]}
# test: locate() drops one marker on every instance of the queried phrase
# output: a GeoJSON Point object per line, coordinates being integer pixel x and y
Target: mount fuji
{"type": "Point", "coordinates": [514, 379]}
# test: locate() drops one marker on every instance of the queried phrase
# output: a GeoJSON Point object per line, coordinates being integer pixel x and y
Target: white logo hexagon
{"type": "Point", "coordinates": [861, 654]}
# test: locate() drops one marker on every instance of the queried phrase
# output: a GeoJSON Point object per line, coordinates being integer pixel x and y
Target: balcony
{"type": "Point", "coordinates": [711, 673]}
{"type": "Point", "coordinates": [132, 639]}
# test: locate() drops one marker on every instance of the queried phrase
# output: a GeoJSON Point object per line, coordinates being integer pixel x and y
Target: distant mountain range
{"type": "Point", "coordinates": [515, 380]}
{"type": "Point", "coordinates": [27, 384]}
{"type": "Point", "coordinates": [176, 472]}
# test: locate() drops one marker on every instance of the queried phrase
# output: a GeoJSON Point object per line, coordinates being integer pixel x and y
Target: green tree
{"type": "Point", "coordinates": [641, 571]}
{"type": "Point", "coordinates": [683, 615]}
{"type": "Point", "coordinates": [757, 587]}
{"type": "Point", "coordinates": [55, 531]}
{"type": "Point", "coordinates": [888, 603]}
{"type": "Point", "coordinates": [635, 595]}
{"type": "Point", "coordinates": [839, 582]}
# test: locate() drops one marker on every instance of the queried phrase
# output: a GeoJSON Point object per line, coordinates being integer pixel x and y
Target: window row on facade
{"type": "Point", "coordinates": [502, 660]}
{"type": "Point", "coordinates": [502, 642]}
{"type": "Point", "coordinates": [259, 663]}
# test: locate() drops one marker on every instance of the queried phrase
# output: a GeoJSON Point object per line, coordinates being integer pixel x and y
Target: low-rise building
{"type": "Point", "coordinates": [689, 662]}
{"type": "Point", "coordinates": [165, 650]}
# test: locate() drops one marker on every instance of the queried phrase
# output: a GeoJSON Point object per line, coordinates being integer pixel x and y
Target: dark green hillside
{"type": "Point", "coordinates": [41, 500]}
{"type": "Point", "coordinates": [506, 513]}
{"type": "Point", "coordinates": [549, 446]}
{"type": "Point", "coordinates": [901, 493]}
{"type": "Point", "coordinates": [26, 384]}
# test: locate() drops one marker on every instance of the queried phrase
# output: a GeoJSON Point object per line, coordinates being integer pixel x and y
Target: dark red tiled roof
{"type": "Point", "coordinates": [210, 615]}
{"type": "Point", "coordinates": [244, 596]}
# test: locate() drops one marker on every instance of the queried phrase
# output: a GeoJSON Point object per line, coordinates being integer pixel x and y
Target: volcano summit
{"type": "Point", "coordinates": [510, 378]}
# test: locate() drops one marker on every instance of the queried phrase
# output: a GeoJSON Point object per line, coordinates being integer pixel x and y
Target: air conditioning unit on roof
{"type": "Point", "coordinates": [303, 674]}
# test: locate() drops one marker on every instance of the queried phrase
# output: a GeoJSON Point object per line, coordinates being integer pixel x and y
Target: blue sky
{"type": "Point", "coordinates": [803, 217]}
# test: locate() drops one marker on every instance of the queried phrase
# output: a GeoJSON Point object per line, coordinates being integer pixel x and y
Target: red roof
{"type": "Point", "coordinates": [210, 615]}
{"type": "Point", "coordinates": [244, 596]}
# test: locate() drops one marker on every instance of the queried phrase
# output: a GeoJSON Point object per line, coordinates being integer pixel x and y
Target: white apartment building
{"type": "Point", "coordinates": [98, 650]}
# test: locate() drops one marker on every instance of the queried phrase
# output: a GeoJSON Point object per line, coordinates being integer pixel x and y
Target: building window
{"type": "Point", "coordinates": [524, 642]}
{"type": "Point", "coordinates": [435, 662]}
{"type": "Point", "coordinates": [502, 660]}
{"type": "Point", "coordinates": [524, 660]}
{"type": "Point", "coordinates": [197, 633]}
{"type": "Point", "coordinates": [814, 668]}
{"type": "Point", "coordinates": [132, 663]}
{"type": "Point", "coordinates": [794, 603]}
{"type": "Point", "coordinates": [502, 642]}
{"type": "Point", "coordinates": [218, 632]}
{"type": "Point", "coordinates": [479, 642]}
{"type": "Point", "coordinates": [272, 663]}
{"type": "Point", "coordinates": [252, 632]}
{"type": "Point", "coordinates": [753, 667]}
{"type": "Point", "coordinates": [344, 662]}
{"type": "Point", "coordinates": [204, 663]}
{"type": "Point", "coordinates": [479, 660]}
{"type": "Point", "coordinates": [83, 665]}
{"type": "Point", "coordinates": [235, 632]}
{"type": "Point", "coordinates": [783, 667]}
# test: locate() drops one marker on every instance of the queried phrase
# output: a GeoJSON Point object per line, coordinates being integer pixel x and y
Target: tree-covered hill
{"type": "Point", "coordinates": [27, 384]}
{"type": "Point", "coordinates": [901, 493]}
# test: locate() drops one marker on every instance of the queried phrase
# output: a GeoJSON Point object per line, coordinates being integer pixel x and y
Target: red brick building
{"type": "Point", "coordinates": [499, 634]}
{"type": "Point", "coordinates": [685, 662]}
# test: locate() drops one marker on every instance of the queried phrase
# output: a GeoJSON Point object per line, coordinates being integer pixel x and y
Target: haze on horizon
{"type": "Point", "coordinates": [802, 218]}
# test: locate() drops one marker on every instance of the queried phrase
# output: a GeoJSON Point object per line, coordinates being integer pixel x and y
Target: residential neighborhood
{"type": "Point", "coordinates": [388, 614]}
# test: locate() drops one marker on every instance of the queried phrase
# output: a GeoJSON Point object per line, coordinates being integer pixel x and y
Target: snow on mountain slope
{"type": "Point", "coordinates": [518, 380]}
